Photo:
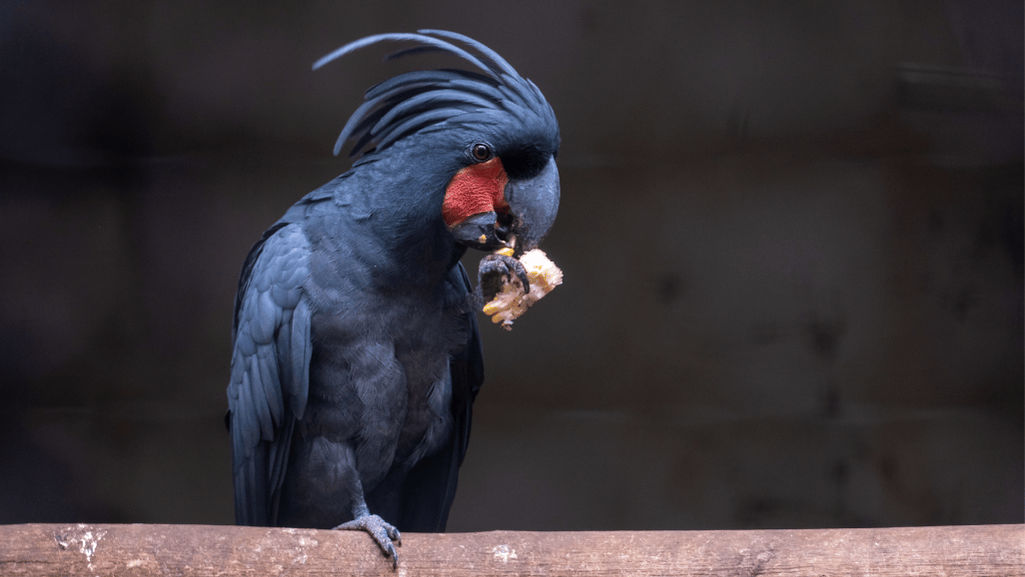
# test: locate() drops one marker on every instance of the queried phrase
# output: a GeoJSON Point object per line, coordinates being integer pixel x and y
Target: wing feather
{"type": "Point", "coordinates": [302, 349]}
{"type": "Point", "coordinates": [270, 369]}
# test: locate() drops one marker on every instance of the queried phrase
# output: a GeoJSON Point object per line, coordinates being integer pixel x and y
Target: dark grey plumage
{"type": "Point", "coordinates": [356, 353]}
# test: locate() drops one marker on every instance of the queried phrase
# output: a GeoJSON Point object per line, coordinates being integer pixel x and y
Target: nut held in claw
{"type": "Point", "coordinates": [511, 302]}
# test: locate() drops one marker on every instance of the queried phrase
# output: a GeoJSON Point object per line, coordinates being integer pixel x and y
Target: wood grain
{"type": "Point", "coordinates": [84, 549]}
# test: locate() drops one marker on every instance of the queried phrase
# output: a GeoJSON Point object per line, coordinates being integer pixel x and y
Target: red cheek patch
{"type": "Point", "coordinates": [475, 189]}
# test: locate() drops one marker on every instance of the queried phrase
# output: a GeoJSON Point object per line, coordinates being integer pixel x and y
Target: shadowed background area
{"type": "Point", "coordinates": [791, 234]}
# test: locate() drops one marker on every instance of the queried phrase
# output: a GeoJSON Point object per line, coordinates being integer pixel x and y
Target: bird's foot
{"type": "Point", "coordinates": [510, 286]}
{"type": "Point", "coordinates": [496, 270]}
{"type": "Point", "coordinates": [383, 532]}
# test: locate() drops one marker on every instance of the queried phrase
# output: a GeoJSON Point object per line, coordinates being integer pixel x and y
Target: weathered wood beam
{"type": "Point", "coordinates": [82, 549]}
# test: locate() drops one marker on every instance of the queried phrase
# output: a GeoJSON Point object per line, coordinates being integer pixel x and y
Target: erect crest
{"type": "Point", "coordinates": [414, 101]}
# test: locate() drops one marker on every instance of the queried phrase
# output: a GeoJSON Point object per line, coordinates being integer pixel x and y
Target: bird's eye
{"type": "Point", "coordinates": [480, 152]}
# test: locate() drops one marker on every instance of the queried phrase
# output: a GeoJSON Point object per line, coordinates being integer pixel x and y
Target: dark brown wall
{"type": "Point", "coordinates": [791, 233]}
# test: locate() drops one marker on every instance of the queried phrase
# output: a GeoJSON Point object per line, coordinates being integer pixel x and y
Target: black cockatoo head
{"type": "Point", "coordinates": [489, 134]}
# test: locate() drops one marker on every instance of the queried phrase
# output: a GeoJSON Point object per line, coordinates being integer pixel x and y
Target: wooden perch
{"type": "Point", "coordinates": [39, 549]}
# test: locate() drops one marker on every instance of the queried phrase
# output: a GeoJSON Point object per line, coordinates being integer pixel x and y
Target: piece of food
{"type": "Point", "coordinates": [512, 301]}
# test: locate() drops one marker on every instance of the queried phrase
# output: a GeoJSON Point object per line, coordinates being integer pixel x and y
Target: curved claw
{"type": "Point", "coordinates": [491, 270]}
{"type": "Point", "coordinates": [384, 534]}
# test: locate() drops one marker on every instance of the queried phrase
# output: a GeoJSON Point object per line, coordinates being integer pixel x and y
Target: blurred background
{"type": "Point", "coordinates": [791, 233]}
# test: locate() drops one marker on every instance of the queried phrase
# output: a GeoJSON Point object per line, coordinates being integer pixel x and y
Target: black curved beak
{"type": "Point", "coordinates": [533, 204]}
{"type": "Point", "coordinates": [480, 231]}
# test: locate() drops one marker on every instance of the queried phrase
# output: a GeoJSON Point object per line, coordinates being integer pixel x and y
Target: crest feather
{"type": "Point", "coordinates": [412, 101]}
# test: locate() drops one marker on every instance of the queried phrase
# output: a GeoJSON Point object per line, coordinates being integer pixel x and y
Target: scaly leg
{"type": "Point", "coordinates": [383, 532]}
